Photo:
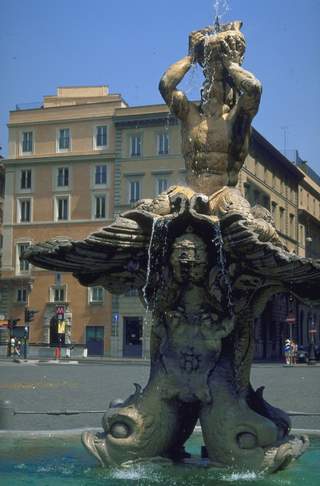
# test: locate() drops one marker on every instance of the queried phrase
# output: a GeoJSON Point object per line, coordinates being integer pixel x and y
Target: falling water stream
{"type": "Point", "coordinates": [218, 243]}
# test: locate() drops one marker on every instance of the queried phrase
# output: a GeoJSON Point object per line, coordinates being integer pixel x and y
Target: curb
{"type": "Point", "coordinates": [35, 434]}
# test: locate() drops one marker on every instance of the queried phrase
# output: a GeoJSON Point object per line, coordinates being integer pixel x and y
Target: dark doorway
{"type": "Point", "coordinates": [95, 340]}
{"type": "Point", "coordinates": [132, 337]}
{"type": "Point", "coordinates": [56, 339]}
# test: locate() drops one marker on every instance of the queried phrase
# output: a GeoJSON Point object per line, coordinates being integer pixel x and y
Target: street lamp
{"type": "Point", "coordinates": [312, 354]}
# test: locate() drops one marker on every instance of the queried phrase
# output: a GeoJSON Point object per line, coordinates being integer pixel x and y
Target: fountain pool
{"type": "Point", "coordinates": [47, 461]}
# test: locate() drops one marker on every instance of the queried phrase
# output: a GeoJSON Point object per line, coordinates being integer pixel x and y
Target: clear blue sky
{"type": "Point", "coordinates": [128, 44]}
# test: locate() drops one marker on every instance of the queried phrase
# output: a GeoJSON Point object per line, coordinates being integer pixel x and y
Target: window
{"type": "Point", "coordinates": [25, 179]}
{"type": "Point", "coordinates": [274, 211]}
{"type": "Point", "coordinates": [22, 265]}
{"type": "Point", "coordinates": [134, 191]}
{"type": "Point", "coordinates": [256, 195]}
{"type": "Point", "coordinates": [100, 207]}
{"type": "Point", "coordinates": [64, 139]}
{"type": "Point", "coordinates": [135, 146]}
{"type": "Point", "coordinates": [292, 226]}
{"type": "Point", "coordinates": [301, 234]}
{"type": "Point", "coordinates": [62, 208]}
{"type": "Point", "coordinates": [27, 142]}
{"type": "Point", "coordinates": [24, 210]}
{"type": "Point", "coordinates": [266, 202]}
{"type": "Point", "coordinates": [282, 220]}
{"type": "Point", "coordinates": [100, 175]}
{"type": "Point", "coordinates": [101, 136]}
{"type": "Point", "coordinates": [132, 293]}
{"type": "Point", "coordinates": [96, 294]}
{"type": "Point", "coordinates": [63, 177]}
{"type": "Point", "coordinates": [58, 294]}
{"type": "Point", "coordinates": [22, 296]}
{"type": "Point", "coordinates": [163, 144]}
{"type": "Point", "coordinates": [162, 185]}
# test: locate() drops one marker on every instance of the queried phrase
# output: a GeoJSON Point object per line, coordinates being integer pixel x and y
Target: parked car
{"type": "Point", "coordinates": [303, 354]}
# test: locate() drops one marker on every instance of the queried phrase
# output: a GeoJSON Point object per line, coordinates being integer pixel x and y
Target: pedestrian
{"type": "Point", "coordinates": [12, 346]}
{"type": "Point", "coordinates": [294, 351]}
{"type": "Point", "coordinates": [17, 348]}
{"type": "Point", "coordinates": [287, 351]}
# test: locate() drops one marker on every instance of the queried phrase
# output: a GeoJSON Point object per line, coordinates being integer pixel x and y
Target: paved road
{"type": "Point", "coordinates": [40, 387]}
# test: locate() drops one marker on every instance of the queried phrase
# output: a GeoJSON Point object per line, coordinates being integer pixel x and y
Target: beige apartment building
{"type": "Point", "coordinates": [59, 184]}
{"type": "Point", "coordinates": [84, 157]}
{"type": "Point", "coordinates": [148, 160]}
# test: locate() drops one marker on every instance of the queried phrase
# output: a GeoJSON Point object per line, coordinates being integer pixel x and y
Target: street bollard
{"type": "Point", "coordinates": [6, 415]}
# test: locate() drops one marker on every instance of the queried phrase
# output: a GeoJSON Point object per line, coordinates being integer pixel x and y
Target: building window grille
{"type": "Point", "coordinates": [25, 180]}
{"type": "Point", "coordinates": [22, 296]}
{"type": "Point", "coordinates": [162, 185]}
{"type": "Point", "coordinates": [63, 177]}
{"type": "Point", "coordinates": [135, 146]}
{"type": "Point", "coordinates": [27, 142]}
{"type": "Point", "coordinates": [134, 191]}
{"type": "Point", "coordinates": [100, 174]}
{"type": "Point", "coordinates": [64, 138]}
{"type": "Point", "coordinates": [101, 136]}
{"type": "Point", "coordinates": [25, 210]}
{"type": "Point", "coordinates": [62, 208]}
{"type": "Point", "coordinates": [96, 294]}
{"type": "Point", "coordinates": [163, 144]}
{"type": "Point", "coordinates": [100, 209]}
{"type": "Point", "coordinates": [23, 265]}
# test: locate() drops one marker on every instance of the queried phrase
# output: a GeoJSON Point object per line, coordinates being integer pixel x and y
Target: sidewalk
{"type": "Point", "coordinates": [90, 360]}
{"type": "Point", "coordinates": [134, 361]}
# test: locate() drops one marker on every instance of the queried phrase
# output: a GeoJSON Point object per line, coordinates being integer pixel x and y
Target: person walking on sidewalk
{"type": "Point", "coordinates": [287, 351]}
{"type": "Point", "coordinates": [294, 352]}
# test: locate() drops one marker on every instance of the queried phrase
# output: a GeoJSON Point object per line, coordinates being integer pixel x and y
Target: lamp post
{"type": "Point", "coordinates": [312, 354]}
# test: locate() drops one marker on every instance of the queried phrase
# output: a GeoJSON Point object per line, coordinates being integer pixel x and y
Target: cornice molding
{"type": "Point", "coordinates": [59, 158]}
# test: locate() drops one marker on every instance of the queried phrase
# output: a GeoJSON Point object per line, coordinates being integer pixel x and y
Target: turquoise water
{"type": "Point", "coordinates": [55, 462]}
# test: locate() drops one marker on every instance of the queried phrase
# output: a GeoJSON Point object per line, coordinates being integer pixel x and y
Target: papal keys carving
{"type": "Point", "coordinates": [205, 263]}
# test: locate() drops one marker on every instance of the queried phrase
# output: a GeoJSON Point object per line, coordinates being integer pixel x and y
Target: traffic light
{"type": "Point", "coordinates": [12, 323]}
{"type": "Point", "coordinates": [29, 314]}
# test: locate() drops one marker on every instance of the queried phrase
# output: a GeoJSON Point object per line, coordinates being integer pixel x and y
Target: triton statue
{"type": "Point", "coordinates": [205, 263]}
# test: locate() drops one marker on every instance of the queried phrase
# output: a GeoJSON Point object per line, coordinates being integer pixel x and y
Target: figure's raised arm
{"type": "Point", "coordinates": [176, 99]}
{"type": "Point", "coordinates": [249, 87]}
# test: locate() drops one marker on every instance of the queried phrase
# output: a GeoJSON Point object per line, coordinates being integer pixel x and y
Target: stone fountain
{"type": "Point", "coordinates": [205, 263]}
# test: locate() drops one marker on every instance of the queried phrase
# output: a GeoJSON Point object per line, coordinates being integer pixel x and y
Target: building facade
{"type": "Point", "coordinates": [148, 161]}
{"type": "Point", "coordinates": [84, 157]}
{"type": "Point", "coordinates": [59, 184]}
